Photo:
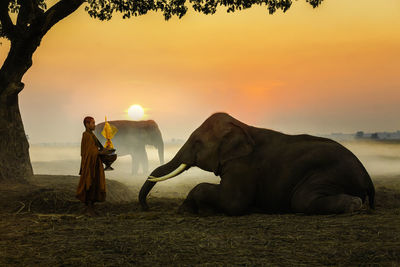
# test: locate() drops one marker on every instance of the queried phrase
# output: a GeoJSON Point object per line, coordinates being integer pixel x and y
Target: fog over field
{"type": "Point", "coordinates": [380, 159]}
{"type": "Point", "coordinates": [65, 160]}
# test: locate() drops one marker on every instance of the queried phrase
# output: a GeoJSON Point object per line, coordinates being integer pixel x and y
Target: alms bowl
{"type": "Point", "coordinates": [108, 159]}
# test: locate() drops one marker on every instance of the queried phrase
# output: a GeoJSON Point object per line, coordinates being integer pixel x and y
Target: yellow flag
{"type": "Point", "coordinates": [108, 132]}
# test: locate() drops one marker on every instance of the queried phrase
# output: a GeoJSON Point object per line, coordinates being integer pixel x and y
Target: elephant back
{"type": "Point", "coordinates": [132, 134]}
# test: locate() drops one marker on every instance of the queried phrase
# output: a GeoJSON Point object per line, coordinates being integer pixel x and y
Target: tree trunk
{"type": "Point", "coordinates": [25, 37]}
{"type": "Point", "coordinates": [15, 164]}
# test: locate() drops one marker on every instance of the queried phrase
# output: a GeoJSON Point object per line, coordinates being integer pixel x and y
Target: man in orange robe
{"type": "Point", "coordinates": [92, 183]}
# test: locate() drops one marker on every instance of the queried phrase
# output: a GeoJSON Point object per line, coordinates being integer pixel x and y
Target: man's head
{"type": "Point", "coordinates": [89, 123]}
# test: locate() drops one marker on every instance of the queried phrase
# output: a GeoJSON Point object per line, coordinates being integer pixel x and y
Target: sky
{"type": "Point", "coordinates": [335, 68]}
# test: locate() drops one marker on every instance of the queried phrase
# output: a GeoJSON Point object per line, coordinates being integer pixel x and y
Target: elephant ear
{"type": "Point", "coordinates": [236, 143]}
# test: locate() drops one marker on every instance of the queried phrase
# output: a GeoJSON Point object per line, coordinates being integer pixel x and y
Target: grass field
{"type": "Point", "coordinates": [41, 223]}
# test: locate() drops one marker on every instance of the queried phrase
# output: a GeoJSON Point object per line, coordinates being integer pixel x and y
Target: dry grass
{"type": "Point", "coordinates": [49, 230]}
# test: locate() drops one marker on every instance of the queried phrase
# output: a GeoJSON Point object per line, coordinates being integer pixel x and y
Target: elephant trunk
{"type": "Point", "coordinates": [144, 191]}
{"type": "Point", "coordinates": [158, 172]}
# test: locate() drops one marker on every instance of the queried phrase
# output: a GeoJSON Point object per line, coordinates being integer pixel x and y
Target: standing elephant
{"type": "Point", "coordinates": [131, 139]}
{"type": "Point", "coordinates": [266, 171]}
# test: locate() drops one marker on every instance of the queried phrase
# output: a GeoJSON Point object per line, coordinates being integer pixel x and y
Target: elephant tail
{"type": "Point", "coordinates": [371, 195]}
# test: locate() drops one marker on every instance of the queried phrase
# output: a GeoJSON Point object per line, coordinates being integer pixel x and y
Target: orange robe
{"type": "Point", "coordinates": [92, 183]}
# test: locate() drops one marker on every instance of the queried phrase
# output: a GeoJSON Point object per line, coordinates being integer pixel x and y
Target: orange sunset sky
{"type": "Point", "coordinates": [335, 68]}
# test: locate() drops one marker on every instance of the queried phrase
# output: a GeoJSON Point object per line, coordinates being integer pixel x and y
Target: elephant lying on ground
{"type": "Point", "coordinates": [267, 171]}
{"type": "Point", "coordinates": [132, 138]}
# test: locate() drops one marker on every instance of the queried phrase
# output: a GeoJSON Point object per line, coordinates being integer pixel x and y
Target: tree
{"type": "Point", "coordinates": [34, 20]}
{"type": "Point", "coordinates": [360, 134]}
{"type": "Point", "coordinates": [375, 136]}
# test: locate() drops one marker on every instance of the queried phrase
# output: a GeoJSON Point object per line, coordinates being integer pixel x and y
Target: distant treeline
{"type": "Point", "coordinates": [361, 135]}
{"type": "Point", "coordinates": [61, 144]}
{"type": "Point", "coordinates": [173, 141]}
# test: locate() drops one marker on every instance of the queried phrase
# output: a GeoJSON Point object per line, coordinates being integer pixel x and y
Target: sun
{"type": "Point", "coordinates": [136, 112]}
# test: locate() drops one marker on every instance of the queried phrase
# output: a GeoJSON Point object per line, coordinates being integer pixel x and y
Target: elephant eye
{"type": "Point", "coordinates": [197, 145]}
{"type": "Point", "coordinates": [197, 148]}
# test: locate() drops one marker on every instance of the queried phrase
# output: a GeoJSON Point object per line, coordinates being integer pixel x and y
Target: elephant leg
{"type": "Point", "coordinates": [145, 162]}
{"type": "Point", "coordinates": [318, 198]}
{"type": "Point", "coordinates": [142, 159]}
{"type": "Point", "coordinates": [341, 203]}
{"type": "Point", "coordinates": [206, 198]}
{"type": "Point", "coordinates": [135, 165]}
{"type": "Point", "coordinates": [201, 199]}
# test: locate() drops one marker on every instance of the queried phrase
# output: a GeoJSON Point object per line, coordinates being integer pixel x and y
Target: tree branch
{"type": "Point", "coordinates": [58, 12]}
{"type": "Point", "coordinates": [8, 27]}
{"type": "Point", "coordinates": [28, 11]}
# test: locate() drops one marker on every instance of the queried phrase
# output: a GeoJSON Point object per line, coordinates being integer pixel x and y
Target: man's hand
{"type": "Point", "coordinates": [105, 152]}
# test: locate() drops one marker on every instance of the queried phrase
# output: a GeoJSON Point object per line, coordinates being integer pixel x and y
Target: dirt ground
{"type": "Point", "coordinates": [41, 224]}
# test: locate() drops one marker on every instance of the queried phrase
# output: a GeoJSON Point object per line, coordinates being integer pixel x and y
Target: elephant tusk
{"type": "Point", "coordinates": [176, 172]}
